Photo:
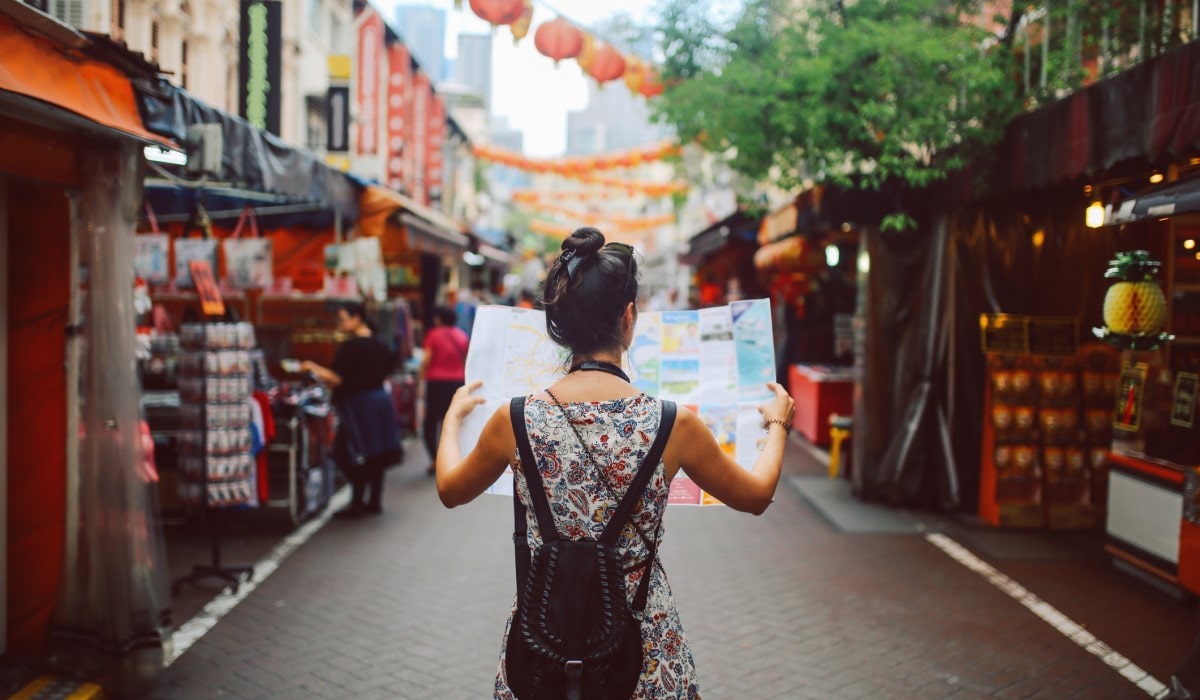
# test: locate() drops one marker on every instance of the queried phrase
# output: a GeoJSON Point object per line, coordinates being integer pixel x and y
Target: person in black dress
{"type": "Point", "coordinates": [367, 440]}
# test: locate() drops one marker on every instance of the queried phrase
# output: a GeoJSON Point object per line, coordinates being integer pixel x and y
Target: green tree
{"type": "Point", "coordinates": [894, 94]}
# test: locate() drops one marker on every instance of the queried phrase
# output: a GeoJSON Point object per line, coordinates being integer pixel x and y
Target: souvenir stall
{"type": "Point", "coordinates": [266, 242]}
{"type": "Point", "coordinates": [83, 569]}
{"type": "Point", "coordinates": [1152, 314]}
{"type": "Point", "coordinates": [721, 257]}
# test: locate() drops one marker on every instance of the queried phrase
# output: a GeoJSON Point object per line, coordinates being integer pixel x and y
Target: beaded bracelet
{"type": "Point", "coordinates": [787, 429]}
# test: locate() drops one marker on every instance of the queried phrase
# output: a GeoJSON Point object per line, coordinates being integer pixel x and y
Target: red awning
{"type": "Point", "coordinates": [51, 72]}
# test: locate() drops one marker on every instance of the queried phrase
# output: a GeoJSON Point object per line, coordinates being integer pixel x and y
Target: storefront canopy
{"type": "Point", "coordinates": [1176, 198]}
{"type": "Point", "coordinates": [47, 72]}
{"type": "Point", "coordinates": [384, 213]}
{"type": "Point", "coordinates": [737, 226]}
{"type": "Point", "coordinates": [1143, 114]}
{"type": "Point", "coordinates": [252, 159]}
{"type": "Point", "coordinates": [174, 203]}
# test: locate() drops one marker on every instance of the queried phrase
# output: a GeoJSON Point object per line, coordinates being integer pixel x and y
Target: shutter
{"type": "Point", "coordinates": [68, 11]}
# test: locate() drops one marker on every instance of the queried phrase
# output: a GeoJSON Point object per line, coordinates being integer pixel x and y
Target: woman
{"type": "Point", "coordinates": [443, 369]}
{"type": "Point", "coordinates": [367, 441]}
{"type": "Point", "coordinates": [590, 297]}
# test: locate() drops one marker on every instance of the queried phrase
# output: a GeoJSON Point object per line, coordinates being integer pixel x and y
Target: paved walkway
{"type": "Point", "coordinates": [412, 605]}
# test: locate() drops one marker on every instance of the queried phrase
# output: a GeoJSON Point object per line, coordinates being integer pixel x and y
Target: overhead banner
{"type": "Point", "coordinates": [260, 57]}
{"type": "Point", "coordinates": [370, 48]}
{"type": "Point", "coordinates": [434, 159]}
{"type": "Point", "coordinates": [400, 90]}
{"type": "Point", "coordinates": [416, 175]}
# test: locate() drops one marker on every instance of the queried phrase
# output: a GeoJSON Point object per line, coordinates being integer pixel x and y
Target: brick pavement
{"type": "Point", "coordinates": [412, 605]}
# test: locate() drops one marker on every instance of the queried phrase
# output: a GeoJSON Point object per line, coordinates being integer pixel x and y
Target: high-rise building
{"type": "Point", "coordinates": [423, 30]}
{"type": "Point", "coordinates": [473, 67]}
{"type": "Point", "coordinates": [615, 118]}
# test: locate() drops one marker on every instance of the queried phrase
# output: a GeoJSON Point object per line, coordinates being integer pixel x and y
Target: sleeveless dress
{"type": "Point", "coordinates": [618, 434]}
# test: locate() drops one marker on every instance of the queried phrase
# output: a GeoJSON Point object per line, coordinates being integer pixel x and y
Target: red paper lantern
{"type": "Point", "coordinates": [608, 64]}
{"type": "Point", "coordinates": [652, 86]}
{"type": "Point", "coordinates": [558, 39]}
{"type": "Point", "coordinates": [498, 11]}
{"type": "Point", "coordinates": [636, 71]}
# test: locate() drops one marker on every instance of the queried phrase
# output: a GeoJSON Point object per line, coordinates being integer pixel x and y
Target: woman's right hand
{"type": "Point", "coordinates": [463, 402]}
{"type": "Point", "coordinates": [779, 408]}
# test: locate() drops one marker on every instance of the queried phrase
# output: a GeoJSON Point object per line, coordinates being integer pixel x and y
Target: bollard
{"type": "Point", "coordinates": [840, 428]}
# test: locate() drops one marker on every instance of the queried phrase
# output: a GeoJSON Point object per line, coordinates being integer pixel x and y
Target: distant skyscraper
{"type": "Point", "coordinates": [473, 67]}
{"type": "Point", "coordinates": [615, 118]}
{"type": "Point", "coordinates": [423, 30]}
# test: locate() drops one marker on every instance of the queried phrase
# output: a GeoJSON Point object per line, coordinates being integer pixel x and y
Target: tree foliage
{"type": "Point", "coordinates": [864, 94]}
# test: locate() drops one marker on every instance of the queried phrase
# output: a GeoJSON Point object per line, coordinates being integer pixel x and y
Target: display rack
{"type": "Point", "coordinates": [215, 459]}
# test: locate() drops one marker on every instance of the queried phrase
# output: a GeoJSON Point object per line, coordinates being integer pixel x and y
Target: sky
{"type": "Point", "coordinates": [526, 87]}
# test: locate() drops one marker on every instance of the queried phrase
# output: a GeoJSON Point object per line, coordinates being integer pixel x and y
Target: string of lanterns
{"type": "Point", "coordinates": [620, 221]}
{"type": "Point", "coordinates": [578, 164]}
{"type": "Point", "coordinates": [559, 39]}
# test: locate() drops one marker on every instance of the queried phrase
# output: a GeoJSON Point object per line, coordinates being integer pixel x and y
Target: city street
{"type": "Point", "coordinates": [412, 604]}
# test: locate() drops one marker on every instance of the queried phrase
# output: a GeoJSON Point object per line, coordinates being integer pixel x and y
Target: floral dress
{"type": "Point", "coordinates": [618, 434]}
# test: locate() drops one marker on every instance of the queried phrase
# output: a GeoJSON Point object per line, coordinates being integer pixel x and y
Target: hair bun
{"type": "Point", "coordinates": [584, 241]}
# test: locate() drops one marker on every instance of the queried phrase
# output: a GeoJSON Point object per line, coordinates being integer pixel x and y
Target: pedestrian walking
{"type": "Point", "coordinates": [583, 440]}
{"type": "Point", "coordinates": [443, 370]}
{"type": "Point", "coordinates": [367, 440]}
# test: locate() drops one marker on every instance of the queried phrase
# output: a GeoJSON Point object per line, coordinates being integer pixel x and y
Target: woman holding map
{"type": "Point", "coordinates": [588, 433]}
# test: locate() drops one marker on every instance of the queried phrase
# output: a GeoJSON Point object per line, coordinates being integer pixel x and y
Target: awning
{"type": "Point", "coordinates": [402, 222]}
{"type": "Point", "coordinates": [38, 70]}
{"type": "Point", "coordinates": [1182, 197]}
{"type": "Point", "coordinates": [171, 202]}
{"type": "Point", "coordinates": [795, 254]}
{"type": "Point", "coordinates": [494, 256]}
{"type": "Point", "coordinates": [736, 226]}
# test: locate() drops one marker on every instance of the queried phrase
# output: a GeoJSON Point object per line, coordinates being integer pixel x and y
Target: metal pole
{"type": "Point", "coordinates": [1046, 49]}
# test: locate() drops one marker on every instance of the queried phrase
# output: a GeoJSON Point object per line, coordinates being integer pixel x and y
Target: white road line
{"type": "Point", "coordinates": [1068, 628]}
{"type": "Point", "coordinates": [192, 630]}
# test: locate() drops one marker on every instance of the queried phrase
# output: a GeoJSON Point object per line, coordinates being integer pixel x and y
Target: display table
{"type": "Point", "coordinates": [819, 392]}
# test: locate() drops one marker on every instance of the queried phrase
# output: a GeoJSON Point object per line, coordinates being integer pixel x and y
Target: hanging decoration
{"type": "Point", "coordinates": [498, 12]}
{"type": "Point", "coordinates": [636, 71]}
{"type": "Point", "coordinates": [587, 53]}
{"type": "Point", "coordinates": [652, 85]}
{"type": "Point", "coordinates": [520, 28]}
{"type": "Point", "coordinates": [607, 65]}
{"type": "Point", "coordinates": [593, 218]}
{"type": "Point", "coordinates": [1135, 310]}
{"type": "Point", "coordinates": [558, 39]}
{"type": "Point", "coordinates": [578, 166]}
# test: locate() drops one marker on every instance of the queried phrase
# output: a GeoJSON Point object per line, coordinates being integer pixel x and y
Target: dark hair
{"type": "Point", "coordinates": [586, 291]}
{"type": "Point", "coordinates": [445, 314]}
{"type": "Point", "coordinates": [356, 309]}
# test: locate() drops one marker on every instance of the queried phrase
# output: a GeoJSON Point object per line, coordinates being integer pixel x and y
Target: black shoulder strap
{"type": "Point", "coordinates": [533, 477]}
{"type": "Point", "coordinates": [646, 470]}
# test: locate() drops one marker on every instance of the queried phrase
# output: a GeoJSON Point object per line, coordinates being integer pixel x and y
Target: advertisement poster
{"type": "Point", "coordinates": [714, 362]}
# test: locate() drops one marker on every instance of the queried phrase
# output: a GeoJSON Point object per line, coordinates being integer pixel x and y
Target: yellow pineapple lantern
{"type": "Point", "coordinates": [1135, 309]}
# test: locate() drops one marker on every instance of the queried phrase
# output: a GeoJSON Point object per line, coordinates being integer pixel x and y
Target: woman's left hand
{"type": "Point", "coordinates": [463, 402]}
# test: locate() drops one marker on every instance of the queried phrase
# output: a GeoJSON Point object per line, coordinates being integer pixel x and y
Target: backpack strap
{"type": "Point", "coordinates": [533, 477]}
{"type": "Point", "coordinates": [666, 423]}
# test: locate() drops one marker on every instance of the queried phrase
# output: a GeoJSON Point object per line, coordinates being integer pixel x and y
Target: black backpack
{"type": "Point", "coordinates": [574, 636]}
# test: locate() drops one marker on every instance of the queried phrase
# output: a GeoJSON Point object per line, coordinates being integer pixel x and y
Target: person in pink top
{"type": "Point", "coordinates": [443, 371]}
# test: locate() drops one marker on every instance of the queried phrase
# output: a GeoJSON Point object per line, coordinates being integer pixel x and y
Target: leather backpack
{"type": "Point", "coordinates": [574, 635]}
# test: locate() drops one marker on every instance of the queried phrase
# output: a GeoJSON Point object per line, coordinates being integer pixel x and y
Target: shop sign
{"type": "Point", "coordinates": [1183, 400]}
{"type": "Point", "coordinates": [370, 46]}
{"type": "Point", "coordinates": [778, 224]}
{"type": "Point", "coordinates": [248, 263]}
{"type": "Point", "coordinates": [308, 278]}
{"type": "Point", "coordinates": [206, 288]}
{"type": "Point", "coordinates": [399, 97]}
{"type": "Point", "coordinates": [1029, 335]}
{"type": "Point", "coordinates": [434, 159]}
{"type": "Point", "coordinates": [260, 65]}
{"type": "Point", "coordinates": [338, 139]}
{"type": "Point", "coordinates": [416, 175]}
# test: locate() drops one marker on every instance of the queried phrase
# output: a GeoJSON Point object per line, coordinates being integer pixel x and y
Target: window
{"type": "Point", "coordinates": [314, 16]}
{"type": "Point", "coordinates": [183, 65]}
{"type": "Point", "coordinates": [69, 11]}
{"type": "Point", "coordinates": [119, 15]}
{"type": "Point", "coordinates": [315, 121]}
{"type": "Point", "coordinates": [154, 40]}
